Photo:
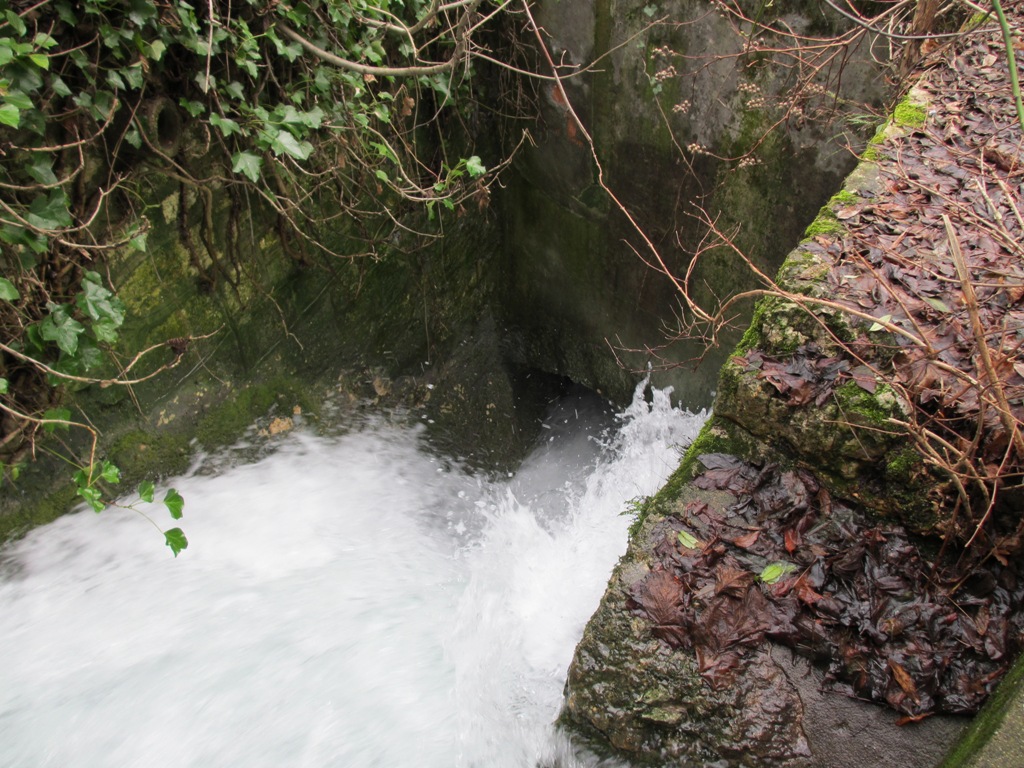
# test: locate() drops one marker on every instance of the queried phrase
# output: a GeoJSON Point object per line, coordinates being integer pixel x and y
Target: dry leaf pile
{"type": "Point", "coordinates": [935, 257]}
{"type": "Point", "coordinates": [789, 563]}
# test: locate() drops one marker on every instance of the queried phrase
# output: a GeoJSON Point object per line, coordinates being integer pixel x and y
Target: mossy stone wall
{"type": "Point", "coordinates": [577, 303]}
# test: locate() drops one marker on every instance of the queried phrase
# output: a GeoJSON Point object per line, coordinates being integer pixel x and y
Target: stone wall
{"type": "Point", "coordinates": [673, 112]}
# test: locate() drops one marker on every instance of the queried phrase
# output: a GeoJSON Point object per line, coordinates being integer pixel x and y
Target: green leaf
{"type": "Point", "coordinates": [134, 138]}
{"type": "Point", "coordinates": [689, 541]}
{"type": "Point", "coordinates": [174, 503]}
{"type": "Point", "coordinates": [156, 49]}
{"type": "Point", "coordinates": [92, 497]}
{"type": "Point", "coordinates": [44, 41]}
{"type": "Point", "coordinates": [475, 167]}
{"type": "Point", "coordinates": [41, 168]}
{"type": "Point", "coordinates": [49, 212]}
{"type": "Point", "coordinates": [139, 241]}
{"type": "Point", "coordinates": [194, 108]}
{"type": "Point", "coordinates": [111, 473]}
{"type": "Point", "coordinates": [176, 540]}
{"type": "Point", "coordinates": [59, 86]}
{"type": "Point", "coordinates": [10, 115]}
{"type": "Point", "coordinates": [3, 386]}
{"type": "Point", "coordinates": [16, 22]}
{"type": "Point", "coordinates": [879, 326]}
{"type": "Point", "coordinates": [60, 327]}
{"type": "Point", "coordinates": [19, 99]}
{"type": "Point", "coordinates": [57, 415]}
{"type": "Point", "coordinates": [41, 60]}
{"type": "Point", "coordinates": [248, 164]}
{"type": "Point", "coordinates": [142, 11]}
{"type": "Point", "coordinates": [105, 330]}
{"type": "Point", "coordinates": [235, 90]}
{"type": "Point", "coordinates": [146, 491]}
{"type": "Point", "coordinates": [381, 175]}
{"type": "Point", "coordinates": [286, 144]}
{"type": "Point", "coordinates": [7, 290]}
{"type": "Point", "coordinates": [226, 125]}
{"type": "Point", "coordinates": [775, 571]}
{"type": "Point", "coordinates": [939, 304]}
{"type": "Point", "coordinates": [98, 302]}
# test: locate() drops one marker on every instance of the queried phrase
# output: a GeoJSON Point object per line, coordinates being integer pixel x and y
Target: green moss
{"type": "Point", "coordinates": [903, 464]}
{"type": "Point", "coordinates": [40, 510]}
{"type": "Point", "coordinates": [987, 722]}
{"type": "Point", "coordinates": [874, 408]}
{"type": "Point", "coordinates": [142, 455]}
{"type": "Point", "coordinates": [976, 20]}
{"type": "Point", "coordinates": [844, 197]}
{"type": "Point", "coordinates": [909, 114]}
{"type": "Point", "coordinates": [824, 225]}
{"type": "Point", "coordinates": [765, 307]}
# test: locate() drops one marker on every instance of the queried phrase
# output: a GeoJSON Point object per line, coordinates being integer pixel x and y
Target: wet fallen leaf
{"type": "Point", "coordinates": [688, 540]}
{"type": "Point", "coordinates": [903, 680]}
{"type": "Point", "coordinates": [772, 572]}
{"type": "Point", "coordinates": [747, 540]}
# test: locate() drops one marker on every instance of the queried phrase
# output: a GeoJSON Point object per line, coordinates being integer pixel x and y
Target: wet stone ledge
{"type": "Point", "coordinates": [807, 557]}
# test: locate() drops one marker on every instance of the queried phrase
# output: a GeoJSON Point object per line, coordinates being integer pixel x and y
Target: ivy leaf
{"type": "Point", "coordinates": [44, 41]}
{"type": "Point", "coordinates": [141, 12]}
{"type": "Point", "coordinates": [41, 169]}
{"type": "Point", "coordinates": [105, 330]}
{"type": "Point", "coordinates": [235, 90]}
{"type": "Point", "coordinates": [155, 49]}
{"type": "Point", "coordinates": [59, 86]}
{"type": "Point", "coordinates": [938, 304]}
{"type": "Point", "coordinates": [146, 491]}
{"type": "Point", "coordinates": [174, 503]}
{"type": "Point", "coordinates": [19, 99]}
{"type": "Point", "coordinates": [226, 125]}
{"type": "Point", "coordinates": [475, 167]}
{"type": "Point", "coordinates": [248, 164]}
{"type": "Point", "coordinates": [92, 497]}
{"type": "Point", "coordinates": [7, 290]}
{"type": "Point", "coordinates": [10, 115]}
{"type": "Point", "coordinates": [49, 212]}
{"type": "Point", "coordinates": [286, 144]}
{"type": "Point", "coordinates": [111, 473]}
{"type": "Point", "coordinates": [139, 242]}
{"type": "Point", "coordinates": [775, 571]}
{"type": "Point", "coordinates": [879, 325]}
{"type": "Point", "coordinates": [98, 302]}
{"type": "Point", "coordinates": [194, 108]}
{"type": "Point", "coordinates": [56, 415]}
{"type": "Point", "coordinates": [688, 540]}
{"type": "Point", "coordinates": [60, 327]}
{"type": "Point", "coordinates": [176, 540]}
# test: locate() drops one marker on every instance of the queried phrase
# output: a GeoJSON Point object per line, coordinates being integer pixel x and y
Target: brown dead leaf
{"type": "Point", "coordinates": [904, 680]}
{"type": "Point", "coordinates": [733, 581]}
{"type": "Point", "coordinates": [792, 540]}
{"type": "Point", "coordinates": [660, 597]}
{"type": "Point", "coordinates": [747, 540]}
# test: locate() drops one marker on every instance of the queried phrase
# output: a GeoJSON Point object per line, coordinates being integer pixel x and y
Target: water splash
{"type": "Point", "coordinates": [348, 601]}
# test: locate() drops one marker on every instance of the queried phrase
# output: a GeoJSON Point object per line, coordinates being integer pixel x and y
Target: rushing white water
{"type": "Point", "coordinates": [347, 601]}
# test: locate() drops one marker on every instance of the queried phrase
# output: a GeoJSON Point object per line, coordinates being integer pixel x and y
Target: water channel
{"type": "Point", "coordinates": [349, 600]}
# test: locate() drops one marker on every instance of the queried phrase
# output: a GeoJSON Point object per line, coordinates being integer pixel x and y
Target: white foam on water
{"type": "Point", "coordinates": [347, 601]}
